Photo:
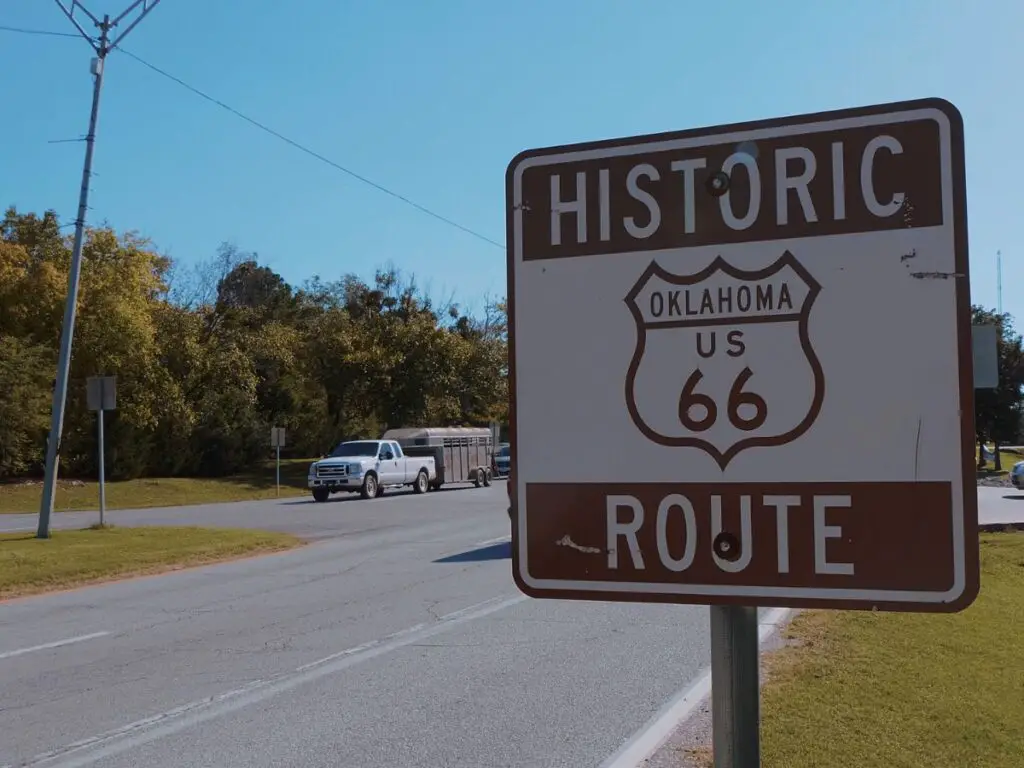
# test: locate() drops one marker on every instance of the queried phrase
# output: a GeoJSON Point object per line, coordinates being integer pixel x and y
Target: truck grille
{"type": "Point", "coordinates": [335, 471]}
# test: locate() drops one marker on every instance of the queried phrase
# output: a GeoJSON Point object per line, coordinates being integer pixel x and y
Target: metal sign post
{"type": "Point", "coordinates": [709, 314]}
{"type": "Point", "coordinates": [277, 442]}
{"type": "Point", "coordinates": [736, 701]}
{"type": "Point", "coordinates": [101, 396]}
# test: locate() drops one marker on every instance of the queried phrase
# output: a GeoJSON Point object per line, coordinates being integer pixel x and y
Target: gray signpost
{"type": "Point", "coordinates": [101, 396]}
{"type": "Point", "coordinates": [277, 442]}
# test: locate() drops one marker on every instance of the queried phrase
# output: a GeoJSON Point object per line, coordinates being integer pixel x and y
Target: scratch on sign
{"type": "Point", "coordinates": [565, 541]}
{"type": "Point", "coordinates": [935, 275]}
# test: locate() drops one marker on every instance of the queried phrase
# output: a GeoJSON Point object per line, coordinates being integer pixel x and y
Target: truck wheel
{"type": "Point", "coordinates": [321, 494]}
{"type": "Point", "coordinates": [487, 476]}
{"type": "Point", "coordinates": [422, 482]}
{"type": "Point", "coordinates": [369, 490]}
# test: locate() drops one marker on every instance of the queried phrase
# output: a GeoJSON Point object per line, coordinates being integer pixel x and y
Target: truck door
{"type": "Point", "coordinates": [403, 472]}
{"type": "Point", "coordinates": [390, 472]}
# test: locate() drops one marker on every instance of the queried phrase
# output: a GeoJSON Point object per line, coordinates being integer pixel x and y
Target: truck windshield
{"type": "Point", "coordinates": [360, 448]}
{"type": "Point", "coordinates": [503, 452]}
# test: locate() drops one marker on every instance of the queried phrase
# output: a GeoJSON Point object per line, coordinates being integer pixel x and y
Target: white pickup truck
{"type": "Point", "coordinates": [369, 466]}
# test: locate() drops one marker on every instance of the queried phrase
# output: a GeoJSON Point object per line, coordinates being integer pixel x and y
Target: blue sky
{"type": "Point", "coordinates": [432, 100]}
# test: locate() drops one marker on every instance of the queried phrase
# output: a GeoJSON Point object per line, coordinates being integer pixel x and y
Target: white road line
{"type": "Point", "coordinates": [645, 742]}
{"type": "Point", "coordinates": [489, 542]}
{"type": "Point", "coordinates": [188, 715]}
{"type": "Point", "coordinates": [55, 644]}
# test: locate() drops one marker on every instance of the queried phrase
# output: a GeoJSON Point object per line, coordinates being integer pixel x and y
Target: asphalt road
{"type": "Point", "coordinates": [396, 639]}
{"type": "Point", "coordinates": [1000, 506]}
{"type": "Point", "coordinates": [996, 505]}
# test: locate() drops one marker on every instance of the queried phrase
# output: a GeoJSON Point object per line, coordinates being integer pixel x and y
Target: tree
{"type": "Point", "coordinates": [997, 412]}
{"type": "Point", "coordinates": [209, 358]}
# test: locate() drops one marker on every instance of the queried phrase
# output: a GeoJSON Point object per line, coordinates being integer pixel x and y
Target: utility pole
{"type": "Point", "coordinates": [103, 46]}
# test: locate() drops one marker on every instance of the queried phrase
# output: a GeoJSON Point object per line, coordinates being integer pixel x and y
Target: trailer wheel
{"type": "Point", "coordinates": [477, 478]}
{"type": "Point", "coordinates": [422, 482]}
{"type": "Point", "coordinates": [487, 476]}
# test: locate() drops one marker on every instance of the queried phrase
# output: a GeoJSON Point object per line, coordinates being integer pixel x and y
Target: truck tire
{"type": "Point", "coordinates": [422, 482]}
{"type": "Point", "coordinates": [321, 494]}
{"type": "Point", "coordinates": [370, 490]}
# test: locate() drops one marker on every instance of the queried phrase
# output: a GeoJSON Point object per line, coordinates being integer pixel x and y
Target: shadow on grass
{"type": "Point", "coordinates": [985, 474]}
{"type": "Point", "coordinates": [293, 475]}
{"type": "Point", "coordinates": [501, 551]}
{"type": "Point", "coordinates": [6, 538]}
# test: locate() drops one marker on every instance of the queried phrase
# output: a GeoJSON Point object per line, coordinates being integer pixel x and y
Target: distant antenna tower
{"type": "Point", "coordinates": [999, 282]}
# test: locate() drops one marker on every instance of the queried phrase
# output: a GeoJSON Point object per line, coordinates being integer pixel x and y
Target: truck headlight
{"type": "Point", "coordinates": [312, 470]}
{"type": "Point", "coordinates": [355, 469]}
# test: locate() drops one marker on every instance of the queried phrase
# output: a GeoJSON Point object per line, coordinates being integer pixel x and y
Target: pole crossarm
{"type": "Point", "coordinates": [146, 5]}
{"type": "Point", "coordinates": [102, 47]}
{"type": "Point", "coordinates": [69, 11]}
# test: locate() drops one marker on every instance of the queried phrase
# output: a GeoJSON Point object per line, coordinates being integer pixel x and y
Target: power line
{"type": "Point", "coordinates": [50, 33]}
{"type": "Point", "coordinates": [313, 153]}
{"type": "Point", "coordinates": [280, 136]}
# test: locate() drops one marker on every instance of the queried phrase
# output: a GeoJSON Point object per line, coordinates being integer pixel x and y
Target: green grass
{"type": "Point", "coordinates": [884, 690]}
{"type": "Point", "coordinates": [73, 558]}
{"type": "Point", "coordinates": [24, 496]}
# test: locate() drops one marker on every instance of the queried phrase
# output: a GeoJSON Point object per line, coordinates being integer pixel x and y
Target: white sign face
{"type": "Point", "coordinates": [742, 365]}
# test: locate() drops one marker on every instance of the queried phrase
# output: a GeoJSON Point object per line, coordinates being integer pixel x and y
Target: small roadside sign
{"type": "Point", "coordinates": [101, 396]}
{"type": "Point", "coordinates": [741, 365]}
{"type": "Point", "coordinates": [101, 393]}
{"type": "Point", "coordinates": [985, 351]}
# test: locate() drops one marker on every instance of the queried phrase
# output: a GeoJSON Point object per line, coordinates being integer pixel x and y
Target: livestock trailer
{"type": "Point", "coordinates": [462, 454]}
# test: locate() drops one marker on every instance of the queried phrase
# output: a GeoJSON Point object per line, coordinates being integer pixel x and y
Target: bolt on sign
{"type": "Point", "coordinates": [741, 366]}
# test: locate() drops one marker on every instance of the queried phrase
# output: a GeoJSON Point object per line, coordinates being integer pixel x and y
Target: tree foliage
{"type": "Point", "coordinates": [998, 412]}
{"type": "Point", "coordinates": [208, 359]}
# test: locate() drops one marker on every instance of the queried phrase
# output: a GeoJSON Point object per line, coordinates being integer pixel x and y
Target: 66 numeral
{"type": "Point", "coordinates": [737, 398]}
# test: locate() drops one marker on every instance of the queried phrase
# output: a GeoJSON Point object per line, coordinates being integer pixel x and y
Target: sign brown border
{"type": "Point", "coordinates": [964, 352]}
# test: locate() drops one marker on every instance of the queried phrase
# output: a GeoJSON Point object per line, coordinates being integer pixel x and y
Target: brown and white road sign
{"type": "Point", "coordinates": [741, 366]}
